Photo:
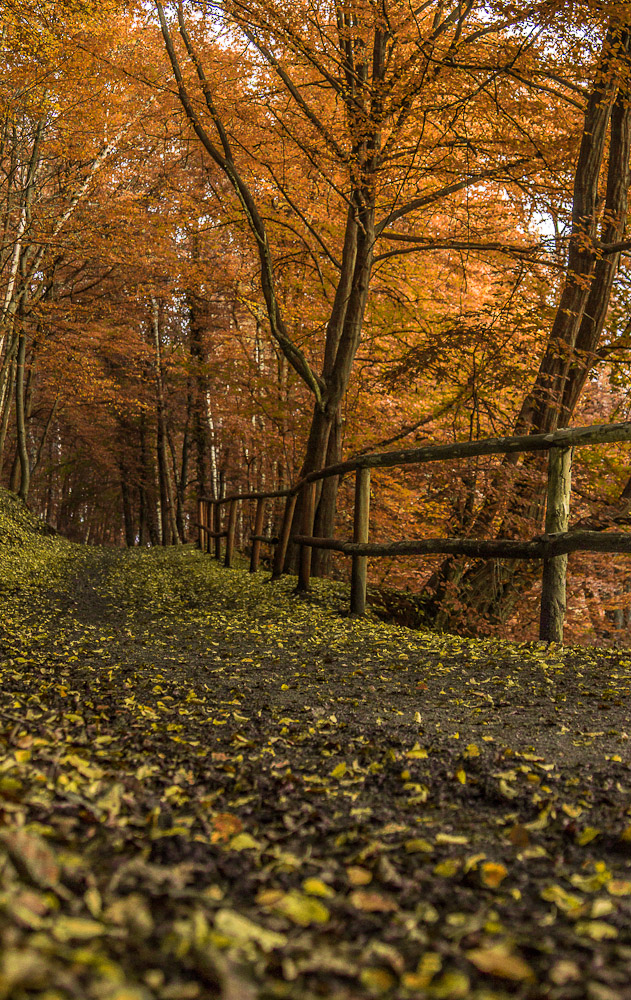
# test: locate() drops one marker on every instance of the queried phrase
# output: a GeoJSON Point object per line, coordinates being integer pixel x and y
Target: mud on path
{"type": "Point", "coordinates": [212, 788]}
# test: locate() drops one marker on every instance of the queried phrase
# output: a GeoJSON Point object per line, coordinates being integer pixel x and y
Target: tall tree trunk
{"type": "Point", "coordinates": [343, 337]}
{"type": "Point", "coordinates": [324, 523]}
{"type": "Point", "coordinates": [201, 430]}
{"type": "Point", "coordinates": [169, 533]}
{"type": "Point", "coordinates": [128, 513]}
{"type": "Point", "coordinates": [148, 499]}
{"type": "Point", "coordinates": [20, 419]}
{"type": "Point", "coordinates": [5, 408]}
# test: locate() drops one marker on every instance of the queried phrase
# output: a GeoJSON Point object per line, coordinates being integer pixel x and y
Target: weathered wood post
{"type": "Point", "coordinates": [200, 524]}
{"type": "Point", "coordinates": [232, 527]}
{"type": "Point", "coordinates": [258, 530]}
{"type": "Point", "coordinates": [283, 539]}
{"type": "Point", "coordinates": [554, 570]}
{"type": "Point", "coordinates": [217, 528]}
{"type": "Point", "coordinates": [360, 534]}
{"type": "Point", "coordinates": [308, 514]}
{"type": "Point", "coordinates": [206, 522]}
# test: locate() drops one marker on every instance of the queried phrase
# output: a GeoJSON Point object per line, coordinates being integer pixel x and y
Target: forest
{"type": "Point", "coordinates": [365, 261]}
{"type": "Point", "coordinates": [242, 242]}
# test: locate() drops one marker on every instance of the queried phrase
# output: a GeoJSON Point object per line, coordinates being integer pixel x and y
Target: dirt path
{"type": "Point", "coordinates": [249, 795]}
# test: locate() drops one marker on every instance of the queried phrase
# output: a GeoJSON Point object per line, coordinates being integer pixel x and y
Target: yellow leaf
{"type": "Point", "coordinates": [571, 810]}
{"type": "Point", "coordinates": [451, 838]}
{"type": "Point", "coordinates": [461, 775]}
{"type": "Point", "coordinates": [619, 887]}
{"type": "Point", "coordinates": [377, 981]}
{"type": "Point", "coordinates": [417, 752]}
{"type": "Point", "coordinates": [564, 900]}
{"type": "Point", "coordinates": [473, 861]}
{"type": "Point", "coordinates": [586, 835]}
{"type": "Point", "coordinates": [493, 874]}
{"type": "Point", "coordinates": [597, 930]}
{"type": "Point", "coordinates": [316, 887]}
{"type": "Point", "coordinates": [243, 842]}
{"type": "Point", "coordinates": [358, 876]}
{"type": "Point", "coordinates": [430, 963]}
{"type": "Point", "coordinates": [76, 928]}
{"type": "Point", "coordinates": [506, 790]}
{"type": "Point", "coordinates": [447, 868]}
{"type": "Point", "coordinates": [339, 771]}
{"type": "Point", "coordinates": [452, 985]}
{"type": "Point", "coordinates": [269, 897]}
{"type": "Point", "coordinates": [417, 844]}
{"type": "Point", "coordinates": [472, 751]}
{"type": "Point", "coordinates": [565, 971]}
{"type": "Point", "coordinates": [301, 909]}
{"type": "Point", "coordinates": [499, 961]}
{"type": "Point", "coordinates": [126, 993]}
{"type": "Point", "coordinates": [240, 930]}
{"type": "Point", "coordinates": [601, 908]}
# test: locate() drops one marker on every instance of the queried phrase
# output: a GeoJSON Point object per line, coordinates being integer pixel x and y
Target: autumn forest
{"type": "Point", "coordinates": [244, 240]}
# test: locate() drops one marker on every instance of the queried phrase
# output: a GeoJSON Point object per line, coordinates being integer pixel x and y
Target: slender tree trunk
{"type": "Point", "coordinates": [5, 409]}
{"type": "Point", "coordinates": [20, 420]}
{"type": "Point", "coordinates": [128, 514]}
{"type": "Point", "coordinates": [148, 502]}
{"type": "Point", "coordinates": [201, 430]}
{"type": "Point", "coordinates": [324, 524]}
{"type": "Point", "coordinates": [169, 533]}
{"type": "Point", "coordinates": [343, 337]}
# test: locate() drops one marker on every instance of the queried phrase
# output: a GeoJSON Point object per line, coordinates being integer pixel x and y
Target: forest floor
{"type": "Point", "coordinates": [210, 788]}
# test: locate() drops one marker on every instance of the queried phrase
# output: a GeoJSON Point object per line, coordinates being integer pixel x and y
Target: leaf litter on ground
{"type": "Point", "coordinates": [212, 788]}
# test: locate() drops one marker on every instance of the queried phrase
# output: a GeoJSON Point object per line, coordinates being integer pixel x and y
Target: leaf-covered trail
{"type": "Point", "coordinates": [210, 788]}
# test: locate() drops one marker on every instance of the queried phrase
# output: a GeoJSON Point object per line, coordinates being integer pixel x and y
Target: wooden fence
{"type": "Point", "coordinates": [552, 547]}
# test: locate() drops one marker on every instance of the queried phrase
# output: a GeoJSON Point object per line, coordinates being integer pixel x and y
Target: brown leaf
{"type": "Point", "coordinates": [32, 858]}
{"type": "Point", "coordinates": [372, 902]}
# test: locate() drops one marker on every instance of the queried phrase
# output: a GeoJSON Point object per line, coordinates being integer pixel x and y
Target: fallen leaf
{"type": "Point", "coordinates": [372, 902]}
{"type": "Point", "coordinates": [499, 961]}
{"type": "Point", "coordinates": [32, 858]}
{"type": "Point", "coordinates": [302, 910]}
{"type": "Point", "coordinates": [358, 876]}
{"type": "Point", "coordinates": [493, 874]}
{"type": "Point", "coordinates": [241, 930]}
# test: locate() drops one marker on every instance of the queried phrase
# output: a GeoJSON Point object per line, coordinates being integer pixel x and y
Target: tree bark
{"type": "Point", "coordinates": [20, 419]}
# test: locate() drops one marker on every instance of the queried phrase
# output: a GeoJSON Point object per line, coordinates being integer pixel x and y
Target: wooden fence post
{"type": "Point", "coordinates": [360, 534]}
{"type": "Point", "coordinates": [200, 524]}
{"type": "Point", "coordinates": [554, 570]}
{"type": "Point", "coordinates": [283, 540]}
{"type": "Point", "coordinates": [258, 531]}
{"type": "Point", "coordinates": [206, 520]}
{"type": "Point", "coordinates": [217, 528]}
{"type": "Point", "coordinates": [308, 513]}
{"type": "Point", "coordinates": [232, 526]}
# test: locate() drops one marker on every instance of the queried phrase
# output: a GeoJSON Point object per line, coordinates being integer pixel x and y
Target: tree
{"type": "Point", "coordinates": [393, 114]}
{"type": "Point", "coordinates": [597, 227]}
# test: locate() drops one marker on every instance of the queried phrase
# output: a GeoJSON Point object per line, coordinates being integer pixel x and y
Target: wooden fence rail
{"type": "Point", "coordinates": [552, 547]}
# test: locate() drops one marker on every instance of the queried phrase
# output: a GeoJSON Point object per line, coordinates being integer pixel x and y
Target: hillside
{"type": "Point", "coordinates": [212, 788]}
